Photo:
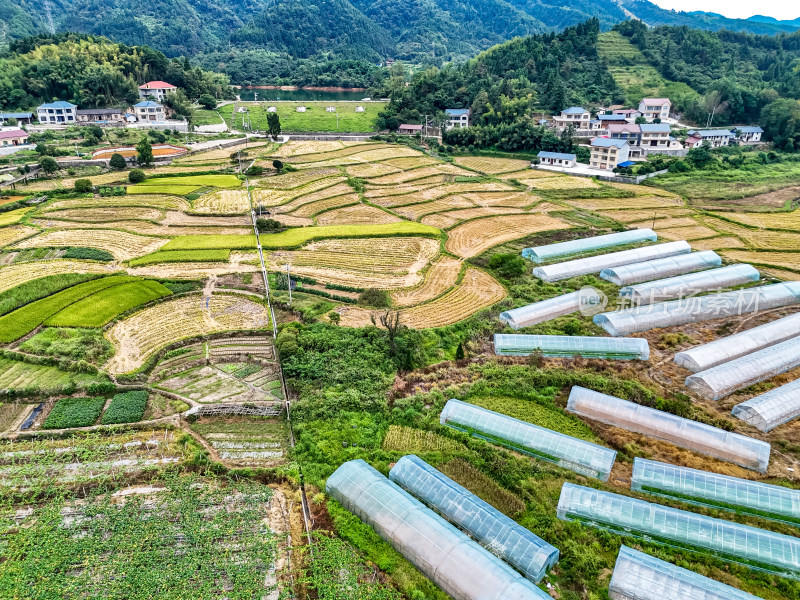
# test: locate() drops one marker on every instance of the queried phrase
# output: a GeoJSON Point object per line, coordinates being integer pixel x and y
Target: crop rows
{"type": "Point", "coordinates": [778, 220]}
{"type": "Point", "coordinates": [790, 260]}
{"type": "Point", "coordinates": [413, 441]}
{"type": "Point", "coordinates": [695, 232]}
{"type": "Point", "coordinates": [360, 214]}
{"type": "Point", "coordinates": [370, 170]}
{"type": "Point", "coordinates": [101, 215]}
{"type": "Point", "coordinates": [13, 216]}
{"type": "Point", "coordinates": [147, 200]}
{"type": "Point", "coordinates": [559, 183]}
{"type": "Point", "coordinates": [313, 208]}
{"type": "Point", "coordinates": [405, 176]}
{"type": "Point", "coordinates": [9, 235]}
{"type": "Point", "coordinates": [121, 244]}
{"type": "Point", "coordinates": [762, 239]}
{"type": "Point", "coordinates": [633, 215]}
{"type": "Point", "coordinates": [374, 154]}
{"type": "Point", "coordinates": [337, 189]}
{"type": "Point", "coordinates": [493, 165]}
{"type": "Point", "coordinates": [717, 242]}
{"type": "Point", "coordinates": [296, 179]}
{"type": "Point", "coordinates": [441, 276]}
{"type": "Point", "coordinates": [651, 202]}
{"type": "Point", "coordinates": [311, 147]}
{"type": "Point", "coordinates": [127, 407]}
{"type": "Point", "coordinates": [74, 412]}
{"type": "Point", "coordinates": [15, 375]}
{"type": "Point", "coordinates": [13, 275]}
{"type": "Point", "coordinates": [310, 157]}
{"type": "Point", "coordinates": [473, 237]}
{"type": "Point", "coordinates": [415, 211]}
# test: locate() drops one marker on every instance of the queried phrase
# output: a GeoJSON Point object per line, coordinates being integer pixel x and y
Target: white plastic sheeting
{"type": "Point", "coordinates": [454, 562]}
{"type": "Point", "coordinates": [542, 253]}
{"type": "Point", "coordinates": [698, 437]}
{"type": "Point", "coordinates": [690, 284]}
{"type": "Point", "coordinates": [722, 380]}
{"type": "Point", "coordinates": [639, 576]}
{"type": "Point", "coordinates": [699, 308]}
{"type": "Point", "coordinates": [661, 267]}
{"type": "Point", "coordinates": [496, 532]}
{"type": "Point", "coordinates": [595, 264]}
{"type": "Point", "coordinates": [569, 346]}
{"type": "Point", "coordinates": [775, 407]}
{"type": "Point", "coordinates": [724, 349]}
{"type": "Point", "coordinates": [586, 299]}
{"type": "Point", "coordinates": [566, 451]}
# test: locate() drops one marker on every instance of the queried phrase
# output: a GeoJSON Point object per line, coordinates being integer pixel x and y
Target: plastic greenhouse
{"type": "Point", "coordinates": [683, 286]}
{"type": "Point", "coordinates": [546, 310]}
{"type": "Point", "coordinates": [595, 264]}
{"type": "Point", "coordinates": [502, 536]}
{"type": "Point", "coordinates": [661, 267]}
{"type": "Point", "coordinates": [568, 452]}
{"type": "Point", "coordinates": [776, 407]}
{"type": "Point", "coordinates": [454, 562]}
{"type": "Point", "coordinates": [696, 309]}
{"type": "Point", "coordinates": [719, 491]}
{"type": "Point", "coordinates": [751, 546]}
{"type": "Point", "coordinates": [639, 576]}
{"type": "Point", "coordinates": [719, 351]}
{"type": "Point", "coordinates": [542, 253]}
{"type": "Point", "coordinates": [685, 433]}
{"type": "Point", "coordinates": [722, 380]}
{"type": "Point", "coordinates": [514, 344]}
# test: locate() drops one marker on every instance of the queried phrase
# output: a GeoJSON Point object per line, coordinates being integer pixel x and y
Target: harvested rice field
{"type": "Point", "coordinates": [120, 244]}
{"type": "Point", "coordinates": [493, 166]}
{"type": "Point", "coordinates": [473, 237]}
{"type": "Point", "coordinates": [359, 214]}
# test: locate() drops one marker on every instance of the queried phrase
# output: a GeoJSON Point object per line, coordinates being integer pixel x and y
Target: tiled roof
{"type": "Point", "coordinates": [99, 111]}
{"type": "Point", "coordinates": [611, 117]}
{"type": "Point", "coordinates": [58, 104]}
{"type": "Point", "coordinates": [755, 129]}
{"type": "Point", "coordinates": [147, 104]}
{"type": "Point", "coordinates": [601, 142]}
{"type": "Point", "coordinates": [704, 133]}
{"type": "Point", "coordinates": [12, 133]}
{"type": "Point", "coordinates": [655, 128]}
{"type": "Point", "coordinates": [562, 156]}
{"type": "Point", "coordinates": [574, 110]}
{"type": "Point", "coordinates": [18, 115]}
{"type": "Point", "coordinates": [624, 128]}
{"type": "Point", "coordinates": [656, 100]}
{"type": "Point", "coordinates": [157, 85]}
{"type": "Point", "coordinates": [457, 112]}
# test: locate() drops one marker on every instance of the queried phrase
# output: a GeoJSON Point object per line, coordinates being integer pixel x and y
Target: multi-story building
{"type": "Point", "coordinates": [630, 132]}
{"type": "Point", "coordinates": [655, 108]}
{"type": "Point", "coordinates": [457, 117]}
{"type": "Point", "coordinates": [654, 136]}
{"type": "Point", "coordinates": [576, 116]}
{"type": "Point", "coordinates": [156, 90]}
{"type": "Point", "coordinates": [748, 135]}
{"type": "Point", "coordinates": [148, 110]}
{"type": "Point", "coordinates": [57, 113]}
{"type": "Point", "coordinates": [607, 153]}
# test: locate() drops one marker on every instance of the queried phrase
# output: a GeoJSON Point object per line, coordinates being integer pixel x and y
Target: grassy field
{"type": "Point", "coordinates": [314, 119]}
{"type": "Point", "coordinates": [13, 216]}
{"type": "Point", "coordinates": [22, 376]}
{"type": "Point", "coordinates": [177, 256]}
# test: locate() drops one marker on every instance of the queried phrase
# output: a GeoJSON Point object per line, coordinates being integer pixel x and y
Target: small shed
{"type": "Point", "coordinates": [359, 109]}
{"type": "Point", "coordinates": [301, 109]}
{"type": "Point", "coordinates": [330, 109]}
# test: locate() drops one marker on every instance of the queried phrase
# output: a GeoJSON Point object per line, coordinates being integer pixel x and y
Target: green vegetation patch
{"type": "Point", "coordinates": [25, 379]}
{"type": "Point", "coordinates": [315, 118]}
{"type": "Point", "coordinates": [175, 190]}
{"type": "Point", "coordinates": [482, 486]}
{"type": "Point", "coordinates": [37, 289]}
{"type": "Point", "coordinates": [77, 344]}
{"type": "Point", "coordinates": [213, 255]}
{"type": "Point", "coordinates": [126, 408]}
{"type": "Point", "coordinates": [24, 320]}
{"type": "Point", "coordinates": [198, 181]}
{"type": "Point", "coordinates": [74, 412]}
{"type": "Point", "coordinates": [88, 254]}
{"type": "Point", "coordinates": [98, 309]}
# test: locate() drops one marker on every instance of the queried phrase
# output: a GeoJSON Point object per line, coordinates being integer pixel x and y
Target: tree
{"type": "Point", "coordinates": [273, 125]}
{"type": "Point", "coordinates": [641, 120]}
{"type": "Point", "coordinates": [83, 186]}
{"type": "Point", "coordinates": [460, 351]}
{"type": "Point", "coordinates": [507, 265]}
{"type": "Point", "coordinates": [136, 176]}
{"type": "Point", "coordinates": [375, 298]}
{"type": "Point", "coordinates": [268, 225]}
{"type": "Point", "coordinates": [48, 165]}
{"type": "Point", "coordinates": [117, 161]}
{"type": "Point", "coordinates": [278, 165]}
{"type": "Point", "coordinates": [207, 101]}
{"type": "Point", "coordinates": [144, 151]}
{"type": "Point", "coordinates": [334, 317]}
{"type": "Point", "coordinates": [781, 122]}
{"type": "Point", "coordinates": [179, 104]}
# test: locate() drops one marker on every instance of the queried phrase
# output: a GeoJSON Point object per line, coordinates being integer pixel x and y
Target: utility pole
{"type": "Point", "coordinates": [289, 283]}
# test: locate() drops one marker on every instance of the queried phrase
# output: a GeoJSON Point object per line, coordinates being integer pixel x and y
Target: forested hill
{"type": "Point", "coordinates": [92, 72]}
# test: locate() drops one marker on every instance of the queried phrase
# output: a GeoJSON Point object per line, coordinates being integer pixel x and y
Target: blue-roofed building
{"type": "Point", "coordinates": [577, 116]}
{"type": "Point", "coordinates": [57, 113]}
{"type": "Point", "coordinates": [748, 135]}
{"type": "Point", "coordinates": [556, 159]}
{"type": "Point", "coordinates": [607, 153]}
{"type": "Point", "coordinates": [714, 137]}
{"type": "Point", "coordinates": [22, 118]}
{"type": "Point", "coordinates": [457, 117]}
{"type": "Point", "coordinates": [654, 135]}
{"type": "Point", "coordinates": [149, 110]}
{"type": "Point", "coordinates": [609, 119]}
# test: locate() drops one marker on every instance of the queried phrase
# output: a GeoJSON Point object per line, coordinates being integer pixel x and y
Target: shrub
{"type": "Point", "coordinates": [74, 412]}
{"type": "Point", "coordinates": [136, 176]}
{"type": "Point", "coordinates": [48, 165]}
{"type": "Point", "coordinates": [268, 225]}
{"type": "Point", "coordinates": [375, 298]}
{"type": "Point", "coordinates": [157, 136]}
{"type": "Point", "coordinates": [207, 101]}
{"type": "Point", "coordinates": [507, 265]}
{"type": "Point", "coordinates": [117, 161]}
{"type": "Point", "coordinates": [254, 170]}
{"type": "Point", "coordinates": [128, 407]}
{"type": "Point", "coordinates": [83, 185]}
{"type": "Point", "coordinates": [88, 254]}
{"type": "Point", "coordinates": [278, 165]}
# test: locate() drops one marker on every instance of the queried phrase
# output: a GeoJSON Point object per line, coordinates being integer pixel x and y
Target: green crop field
{"type": "Point", "coordinates": [24, 320]}
{"type": "Point", "coordinates": [316, 118]}
{"type": "Point", "coordinates": [16, 375]}
{"type": "Point", "coordinates": [98, 309]}
{"type": "Point", "coordinates": [219, 181]}
{"type": "Point", "coordinates": [174, 190]}
{"type": "Point", "coordinates": [74, 412]}
{"type": "Point", "coordinates": [38, 289]}
{"type": "Point", "coordinates": [174, 256]}
{"type": "Point", "coordinates": [127, 407]}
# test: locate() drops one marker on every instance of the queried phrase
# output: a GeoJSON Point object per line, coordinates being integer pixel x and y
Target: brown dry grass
{"type": "Point", "coordinates": [717, 243]}
{"type": "Point", "coordinates": [441, 276]}
{"type": "Point", "coordinates": [14, 233]}
{"type": "Point", "coordinates": [17, 274]}
{"type": "Point", "coordinates": [473, 237]}
{"type": "Point", "coordinates": [415, 211]}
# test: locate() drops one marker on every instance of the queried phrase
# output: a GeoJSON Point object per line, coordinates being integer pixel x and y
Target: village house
{"type": "Point", "coordinates": [630, 114]}
{"type": "Point", "coordinates": [101, 116]}
{"type": "Point", "coordinates": [630, 132]}
{"type": "Point", "coordinates": [748, 135]}
{"type": "Point", "coordinates": [149, 111]}
{"type": "Point", "coordinates": [556, 159]}
{"type": "Point", "coordinates": [457, 117]}
{"type": "Point", "coordinates": [409, 129]}
{"type": "Point", "coordinates": [576, 116]}
{"type": "Point", "coordinates": [607, 153]}
{"type": "Point", "coordinates": [13, 137]}
{"type": "Point", "coordinates": [614, 119]}
{"type": "Point", "coordinates": [57, 113]}
{"type": "Point", "coordinates": [155, 90]}
{"type": "Point", "coordinates": [21, 118]}
{"type": "Point", "coordinates": [714, 137]}
{"type": "Point", "coordinates": [655, 108]}
{"type": "Point", "coordinates": [654, 136]}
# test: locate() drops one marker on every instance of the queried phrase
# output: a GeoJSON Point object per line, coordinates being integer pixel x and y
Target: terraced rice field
{"type": "Point", "coordinates": [440, 277]}
{"type": "Point", "coordinates": [759, 239]}
{"type": "Point", "coordinates": [16, 274]}
{"type": "Point", "coordinates": [493, 165]}
{"type": "Point", "coordinates": [105, 215]}
{"type": "Point", "coordinates": [9, 235]}
{"type": "Point", "coordinates": [360, 214]}
{"type": "Point", "coordinates": [641, 202]}
{"type": "Point", "coordinates": [780, 220]}
{"type": "Point", "coordinates": [789, 260]}
{"type": "Point", "coordinates": [473, 237]}
{"type": "Point", "coordinates": [121, 244]}
{"type": "Point", "coordinates": [147, 200]}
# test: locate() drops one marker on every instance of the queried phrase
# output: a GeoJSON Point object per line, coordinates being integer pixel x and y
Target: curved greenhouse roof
{"type": "Point", "coordinates": [502, 536]}
{"type": "Point", "coordinates": [719, 491]}
{"type": "Point", "coordinates": [661, 267]}
{"type": "Point", "coordinates": [690, 284]}
{"type": "Point", "coordinates": [696, 309]}
{"type": "Point", "coordinates": [722, 380]}
{"type": "Point", "coordinates": [538, 312]}
{"type": "Point", "coordinates": [541, 253]}
{"type": "Point", "coordinates": [775, 407]}
{"type": "Point", "coordinates": [595, 264]}
{"type": "Point", "coordinates": [511, 344]}
{"type": "Point", "coordinates": [685, 433]}
{"type": "Point", "coordinates": [639, 576]}
{"type": "Point", "coordinates": [724, 349]}
{"type": "Point", "coordinates": [750, 546]}
{"type": "Point", "coordinates": [444, 554]}
{"type": "Point", "coordinates": [571, 453]}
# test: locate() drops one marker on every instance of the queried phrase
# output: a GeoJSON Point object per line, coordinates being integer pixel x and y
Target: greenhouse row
{"type": "Point", "coordinates": [722, 380]}
{"type": "Point", "coordinates": [685, 433]}
{"type": "Point", "coordinates": [595, 264]}
{"type": "Point", "coordinates": [542, 253]}
{"type": "Point", "coordinates": [569, 346]}
{"type": "Point", "coordinates": [699, 308]}
{"type": "Point", "coordinates": [504, 537]}
{"type": "Point", "coordinates": [624, 515]}
{"type": "Point", "coordinates": [639, 576]}
{"type": "Point", "coordinates": [690, 284]}
{"type": "Point", "coordinates": [734, 346]}
{"type": "Point", "coordinates": [773, 408]}
{"type": "Point", "coordinates": [453, 561]}
{"type": "Point", "coordinates": [719, 491]}
{"type": "Point", "coordinates": [546, 310]}
{"type": "Point", "coordinates": [661, 268]}
{"type": "Point", "coordinates": [571, 453]}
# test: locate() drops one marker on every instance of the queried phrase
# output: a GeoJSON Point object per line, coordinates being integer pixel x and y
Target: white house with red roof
{"type": "Point", "coordinates": [655, 108]}
{"type": "Point", "coordinates": [13, 137]}
{"type": "Point", "coordinates": [155, 90]}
